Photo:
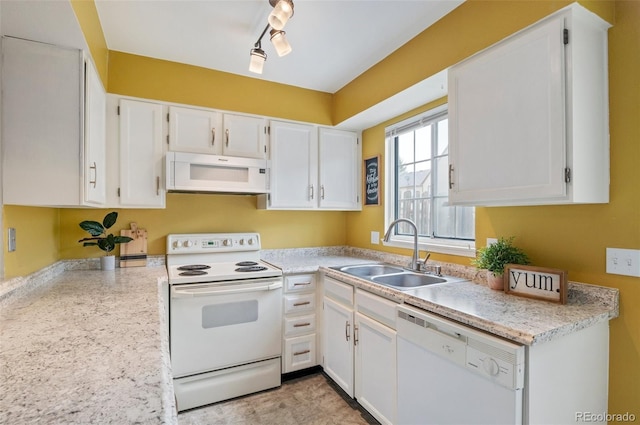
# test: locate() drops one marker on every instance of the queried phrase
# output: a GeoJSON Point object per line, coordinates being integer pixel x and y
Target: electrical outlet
{"type": "Point", "coordinates": [375, 238]}
{"type": "Point", "coordinates": [625, 262]}
{"type": "Point", "coordinates": [12, 239]}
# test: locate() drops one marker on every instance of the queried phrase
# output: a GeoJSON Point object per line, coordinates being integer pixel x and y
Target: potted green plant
{"type": "Point", "coordinates": [104, 241]}
{"type": "Point", "coordinates": [494, 257]}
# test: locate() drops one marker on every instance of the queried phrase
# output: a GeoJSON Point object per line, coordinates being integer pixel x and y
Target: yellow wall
{"type": "Point", "coordinates": [144, 77]}
{"type": "Point", "coordinates": [190, 213]}
{"type": "Point", "coordinates": [37, 238]}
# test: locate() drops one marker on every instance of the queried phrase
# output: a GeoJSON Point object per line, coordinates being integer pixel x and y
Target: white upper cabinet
{"type": "Point", "coordinates": [339, 165]}
{"type": "Point", "coordinates": [51, 156]}
{"type": "Point", "coordinates": [528, 116]}
{"type": "Point", "coordinates": [312, 168]}
{"type": "Point", "coordinates": [140, 158]}
{"type": "Point", "coordinates": [195, 130]}
{"type": "Point", "coordinates": [244, 136]}
{"type": "Point", "coordinates": [199, 130]}
{"type": "Point", "coordinates": [294, 165]}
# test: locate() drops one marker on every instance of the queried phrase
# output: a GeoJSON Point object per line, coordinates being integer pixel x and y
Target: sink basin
{"type": "Point", "coordinates": [369, 270]}
{"type": "Point", "coordinates": [394, 276]}
{"type": "Point", "coordinates": [407, 280]}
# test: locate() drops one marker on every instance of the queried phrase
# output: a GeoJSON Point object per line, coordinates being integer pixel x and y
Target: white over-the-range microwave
{"type": "Point", "coordinates": [190, 172]}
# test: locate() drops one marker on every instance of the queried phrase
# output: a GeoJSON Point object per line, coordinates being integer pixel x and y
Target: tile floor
{"type": "Point", "coordinates": [309, 400]}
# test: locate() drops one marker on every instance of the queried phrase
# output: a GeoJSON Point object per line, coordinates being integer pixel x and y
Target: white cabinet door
{"type": "Point", "coordinates": [42, 112]}
{"type": "Point", "coordinates": [506, 112]}
{"type": "Point", "coordinates": [244, 136]}
{"type": "Point", "coordinates": [528, 118]}
{"type": "Point", "coordinates": [338, 344]}
{"type": "Point", "coordinates": [375, 368]}
{"type": "Point", "coordinates": [293, 165]}
{"type": "Point", "coordinates": [195, 130]}
{"type": "Point", "coordinates": [339, 163]}
{"type": "Point", "coordinates": [141, 151]}
{"type": "Point", "coordinates": [95, 175]}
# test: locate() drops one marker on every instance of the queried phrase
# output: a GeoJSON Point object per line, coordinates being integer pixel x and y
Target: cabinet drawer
{"type": "Point", "coordinates": [299, 303]}
{"type": "Point", "coordinates": [299, 353]}
{"type": "Point", "coordinates": [376, 307]}
{"type": "Point", "coordinates": [299, 325]}
{"type": "Point", "coordinates": [299, 283]}
{"type": "Point", "coordinates": [338, 291]}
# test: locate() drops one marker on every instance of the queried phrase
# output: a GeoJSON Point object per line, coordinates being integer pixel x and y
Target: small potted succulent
{"type": "Point", "coordinates": [104, 241]}
{"type": "Point", "coordinates": [494, 257]}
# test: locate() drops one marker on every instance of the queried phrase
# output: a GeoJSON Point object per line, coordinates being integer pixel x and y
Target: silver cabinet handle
{"type": "Point", "coordinates": [302, 284]}
{"type": "Point", "coordinates": [347, 333]}
{"type": "Point", "coordinates": [301, 325]}
{"type": "Point", "coordinates": [213, 136]}
{"type": "Point", "coordinates": [322, 191]}
{"type": "Point", "coordinates": [94, 167]}
{"type": "Point", "coordinates": [298, 353]}
{"type": "Point", "coordinates": [227, 136]}
{"type": "Point", "coordinates": [311, 191]}
{"type": "Point", "coordinates": [450, 176]}
{"type": "Point", "coordinates": [158, 185]}
{"type": "Point", "coordinates": [302, 303]}
{"type": "Point", "coordinates": [355, 334]}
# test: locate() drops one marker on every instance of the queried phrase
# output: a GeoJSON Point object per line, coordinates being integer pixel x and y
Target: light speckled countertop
{"type": "Point", "coordinates": [470, 302]}
{"type": "Point", "coordinates": [86, 346]}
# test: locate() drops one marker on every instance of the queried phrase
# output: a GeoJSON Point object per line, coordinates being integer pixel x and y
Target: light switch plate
{"type": "Point", "coordinates": [12, 239]}
{"type": "Point", "coordinates": [491, 241]}
{"type": "Point", "coordinates": [624, 262]}
{"type": "Point", "coordinates": [375, 238]}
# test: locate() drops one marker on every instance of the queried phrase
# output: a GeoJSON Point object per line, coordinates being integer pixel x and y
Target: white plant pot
{"type": "Point", "coordinates": [108, 262]}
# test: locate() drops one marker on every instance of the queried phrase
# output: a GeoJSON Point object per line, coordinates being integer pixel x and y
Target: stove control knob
{"type": "Point", "coordinates": [250, 241]}
{"type": "Point", "coordinates": [241, 241]}
{"type": "Point", "coordinates": [227, 242]}
{"type": "Point", "coordinates": [176, 244]}
{"type": "Point", "coordinates": [187, 244]}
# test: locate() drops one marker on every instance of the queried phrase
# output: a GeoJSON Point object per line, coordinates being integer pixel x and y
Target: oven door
{"type": "Point", "coordinates": [223, 324]}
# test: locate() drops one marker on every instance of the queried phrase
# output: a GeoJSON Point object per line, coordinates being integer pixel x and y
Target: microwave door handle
{"type": "Point", "coordinates": [199, 292]}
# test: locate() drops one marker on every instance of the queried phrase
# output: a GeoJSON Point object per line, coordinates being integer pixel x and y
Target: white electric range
{"type": "Point", "coordinates": [225, 317]}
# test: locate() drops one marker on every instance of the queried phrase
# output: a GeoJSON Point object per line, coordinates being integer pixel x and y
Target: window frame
{"type": "Point", "coordinates": [460, 247]}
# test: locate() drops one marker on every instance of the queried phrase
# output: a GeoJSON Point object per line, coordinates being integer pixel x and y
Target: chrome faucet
{"type": "Point", "coordinates": [416, 265]}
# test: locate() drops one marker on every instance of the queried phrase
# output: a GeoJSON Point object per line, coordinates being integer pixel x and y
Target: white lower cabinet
{"type": "Point", "coordinates": [299, 349]}
{"type": "Point", "coordinates": [359, 347]}
{"type": "Point", "coordinates": [375, 357]}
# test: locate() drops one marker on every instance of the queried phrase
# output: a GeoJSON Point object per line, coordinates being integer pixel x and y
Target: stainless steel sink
{"type": "Point", "coordinates": [369, 270]}
{"type": "Point", "coordinates": [407, 280]}
{"type": "Point", "coordinates": [394, 276]}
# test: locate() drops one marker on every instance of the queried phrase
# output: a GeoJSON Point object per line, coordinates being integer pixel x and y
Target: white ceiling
{"type": "Point", "coordinates": [333, 41]}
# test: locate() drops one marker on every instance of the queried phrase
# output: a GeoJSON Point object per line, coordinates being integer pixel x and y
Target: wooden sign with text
{"type": "Point", "coordinates": [536, 282]}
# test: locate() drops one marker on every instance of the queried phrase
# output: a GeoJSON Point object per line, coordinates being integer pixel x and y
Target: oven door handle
{"type": "Point", "coordinates": [200, 292]}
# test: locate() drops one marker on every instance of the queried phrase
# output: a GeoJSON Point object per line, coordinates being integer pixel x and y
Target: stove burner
{"type": "Point", "coordinates": [246, 263]}
{"type": "Point", "coordinates": [192, 273]}
{"type": "Point", "coordinates": [251, 269]}
{"type": "Point", "coordinates": [191, 267]}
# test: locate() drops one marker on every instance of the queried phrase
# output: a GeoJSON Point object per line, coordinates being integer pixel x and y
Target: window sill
{"type": "Point", "coordinates": [441, 246]}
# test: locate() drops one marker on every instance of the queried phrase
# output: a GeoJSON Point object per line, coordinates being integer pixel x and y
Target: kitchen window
{"type": "Point", "coordinates": [417, 187]}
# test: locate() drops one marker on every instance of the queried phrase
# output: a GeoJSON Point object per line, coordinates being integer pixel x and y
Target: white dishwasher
{"type": "Point", "coordinates": [452, 374]}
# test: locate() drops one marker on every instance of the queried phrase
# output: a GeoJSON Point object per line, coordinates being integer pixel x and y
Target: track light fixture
{"type": "Point", "coordinates": [279, 16]}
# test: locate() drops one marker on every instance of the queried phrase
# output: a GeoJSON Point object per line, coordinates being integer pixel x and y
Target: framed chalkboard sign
{"type": "Point", "coordinates": [372, 181]}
